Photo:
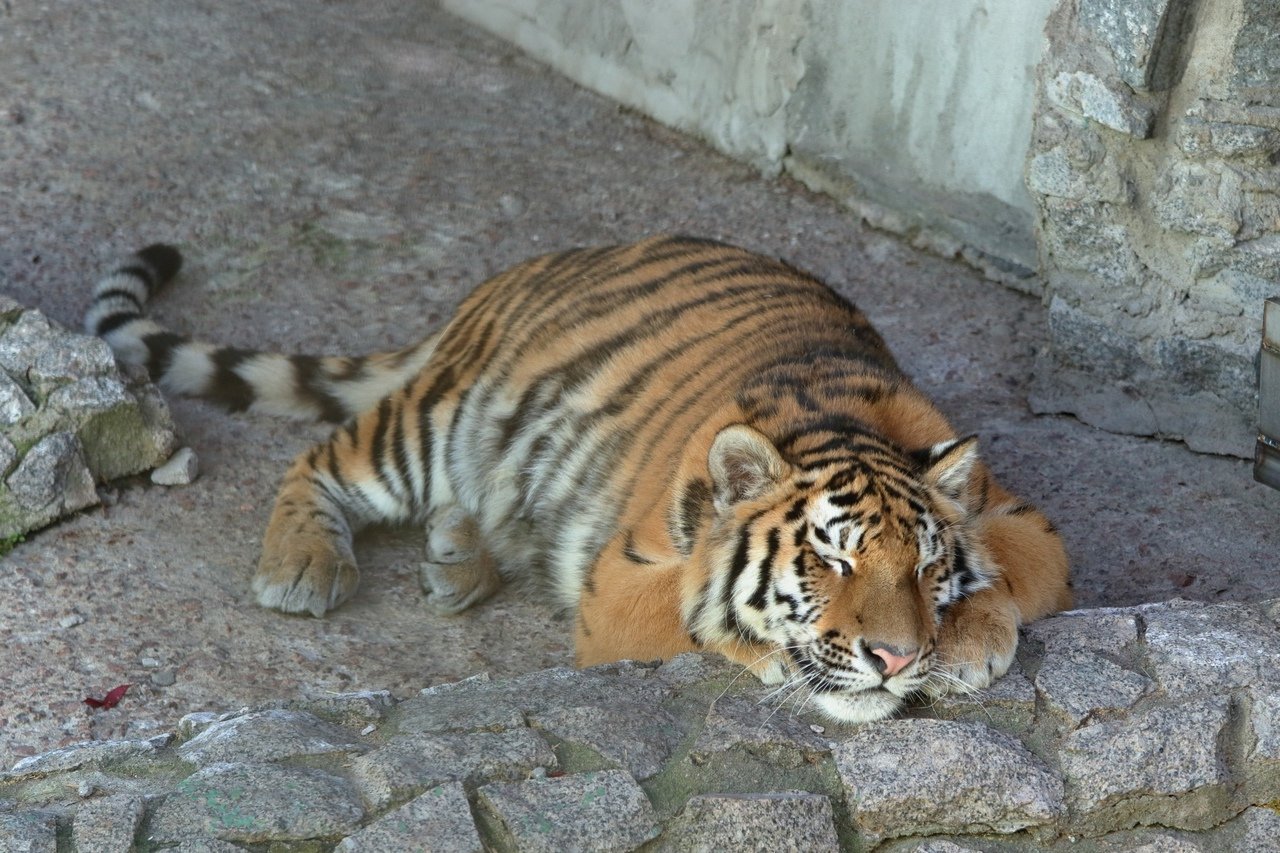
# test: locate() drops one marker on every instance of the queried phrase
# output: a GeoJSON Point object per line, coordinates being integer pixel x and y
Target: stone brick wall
{"type": "Point", "coordinates": [1154, 168]}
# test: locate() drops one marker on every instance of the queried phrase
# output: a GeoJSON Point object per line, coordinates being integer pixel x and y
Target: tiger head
{"type": "Point", "coordinates": [840, 559]}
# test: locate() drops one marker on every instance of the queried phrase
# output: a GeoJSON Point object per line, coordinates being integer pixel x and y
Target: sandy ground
{"type": "Point", "coordinates": [339, 175]}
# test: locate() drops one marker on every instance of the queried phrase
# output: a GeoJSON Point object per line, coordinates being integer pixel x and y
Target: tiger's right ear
{"type": "Point", "coordinates": [744, 465]}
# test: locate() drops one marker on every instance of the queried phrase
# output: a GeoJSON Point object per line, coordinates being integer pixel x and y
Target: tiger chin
{"type": "Point", "coordinates": [693, 446]}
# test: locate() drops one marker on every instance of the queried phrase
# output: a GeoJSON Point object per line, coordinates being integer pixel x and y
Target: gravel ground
{"type": "Point", "coordinates": [339, 175]}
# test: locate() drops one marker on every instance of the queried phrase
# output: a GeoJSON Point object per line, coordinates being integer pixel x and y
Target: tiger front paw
{"type": "Point", "coordinates": [976, 644]}
{"type": "Point", "coordinates": [305, 573]}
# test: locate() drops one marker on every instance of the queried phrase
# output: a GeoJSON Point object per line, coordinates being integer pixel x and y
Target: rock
{"type": "Point", "coordinates": [53, 479]}
{"type": "Point", "coordinates": [14, 402]}
{"type": "Point", "coordinates": [1133, 31]}
{"type": "Point", "coordinates": [406, 766]}
{"type": "Point", "coordinates": [109, 823]}
{"type": "Point", "coordinates": [1264, 718]}
{"type": "Point", "coordinates": [462, 706]}
{"type": "Point", "coordinates": [586, 811]}
{"type": "Point", "coordinates": [738, 723]}
{"type": "Point", "coordinates": [268, 735]}
{"type": "Point", "coordinates": [28, 832]}
{"type": "Point", "coordinates": [438, 821]}
{"type": "Point", "coordinates": [794, 820]}
{"type": "Point", "coordinates": [180, 470]}
{"type": "Point", "coordinates": [924, 777]}
{"type": "Point", "coordinates": [349, 709]}
{"type": "Point", "coordinates": [637, 743]}
{"type": "Point", "coordinates": [1210, 649]}
{"type": "Point", "coordinates": [1108, 104]}
{"type": "Point", "coordinates": [94, 754]}
{"type": "Point", "coordinates": [1137, 770]}
{"type": "Point", "coordinates": [1076, 684]}
{"type": "Point", "coordinates": [57, 387]}
{"type": "Point", "coordinates": [257, 803]}
{"type": "Point", "coordinates": [1259, 831]}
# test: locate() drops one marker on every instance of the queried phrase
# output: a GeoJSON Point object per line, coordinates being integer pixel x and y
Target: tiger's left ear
{"type": "Point", "coordinates": [743, 465]}
{"type": "Point", "coordinates": [948, 465]}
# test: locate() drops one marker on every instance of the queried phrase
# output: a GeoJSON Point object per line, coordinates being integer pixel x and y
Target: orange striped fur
{"type": "Point", "coordinates": [695, 447]}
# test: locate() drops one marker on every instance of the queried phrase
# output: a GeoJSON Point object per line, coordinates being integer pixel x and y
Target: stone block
{"type": "Point", "coordinates": [760, 729]}
{"type": "Point", "coordinates": [268, 735]}
{"type": "Point", "coordinates": [585, 811]}
{"type": "Point", "coordinates": [52, 478]}
{"type": "Point", "coordinates": [1198, 137]}
{"type": "Point", "coordinates": [1089, 238]}
{"type": "Point", "coordinates": [438, 821]}
{"type": "Point", "coordinates": [1258, 830]}
{"type": "Point", "coordinates": [637, 743]}
{"type": "Point", "coordinates": [258, 803]}
{"type": "Point", "coordinates": [1211, 649]}
{"type": "Point", "coordinates": [14, 402]}
{"type": "Point", "coordinates": [1133, 31]}
{"type": "Point", "coordinates": [408, 765]}
{"type": "Point", "coordinates": [109, 823]}
{"type": "Point", "coordinates": [28, 832]}
{"type": "Point", "coordinates": [1255, 62]}
{"type": "Point", "coordinates": [1160, 767]}
{"type": "Point", "coordinates": [1197, 198]}
{"type": "Point", "coordinates": [1077, 684]}
{"type": "Point", "coordinates": [1264, 719]}
{"type": "Point", "coordinates": [1009, 703]}
{"type": "Point", "coordinates": [926, 777]}
{"type": "Point", "coordinates": [1101, 631]}
{"type": "Point", "coordinates": [1110, 104]}
{"type": "Point", "coordinates": [90, 754]}
{"type": "Point", "coordinates": [463, 706]}
{"type": "Point", "coordinates": [788, 820]}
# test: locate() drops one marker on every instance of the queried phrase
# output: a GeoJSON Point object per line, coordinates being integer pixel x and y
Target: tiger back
{"type": "Point", "coordinates": [696, 447]}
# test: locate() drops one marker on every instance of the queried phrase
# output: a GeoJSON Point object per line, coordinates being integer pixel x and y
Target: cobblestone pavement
{"type": "Point", "coordinates": [1155, 727]}
{"type": "Point", "coordinates": [338, 179]}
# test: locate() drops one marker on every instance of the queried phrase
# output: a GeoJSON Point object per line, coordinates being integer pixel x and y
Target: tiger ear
{"type": "Point", "coordinates": [743, 464]}
{"type": "Point", "coordinates": [948, 465]}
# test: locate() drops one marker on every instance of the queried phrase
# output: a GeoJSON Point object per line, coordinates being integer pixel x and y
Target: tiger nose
{"type": "Point", "coordinates": [891, 660]}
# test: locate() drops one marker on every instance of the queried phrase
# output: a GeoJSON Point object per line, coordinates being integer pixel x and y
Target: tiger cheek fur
{"type": "Point", "coordinates": [690, 445]}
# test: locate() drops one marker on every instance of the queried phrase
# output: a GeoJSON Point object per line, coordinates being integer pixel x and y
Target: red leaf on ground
{"type": "Point", "coordinates": [110, 700]}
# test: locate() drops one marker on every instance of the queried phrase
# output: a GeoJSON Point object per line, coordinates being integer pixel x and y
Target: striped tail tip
{"type": "Point", "coordinates": [119, 296]}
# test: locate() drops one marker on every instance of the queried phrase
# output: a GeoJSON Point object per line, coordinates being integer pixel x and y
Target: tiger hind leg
{"type": "Point", "coordinates": [458, 572]}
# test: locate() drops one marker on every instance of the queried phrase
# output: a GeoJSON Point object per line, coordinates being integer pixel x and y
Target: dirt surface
{"type": "Point", "coordinates": [339, 175]}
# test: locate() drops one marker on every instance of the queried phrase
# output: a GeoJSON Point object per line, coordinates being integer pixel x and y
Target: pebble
{"type": "Point", "coordinates": [71, 621]}
{"type": "Point", "coordinates": [181, 469]}
{"type": "Point", "coordinates": [164, 678]}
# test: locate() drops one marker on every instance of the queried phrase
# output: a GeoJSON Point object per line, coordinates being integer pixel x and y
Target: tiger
{"type": "Point", "coordinates": [691, 446]}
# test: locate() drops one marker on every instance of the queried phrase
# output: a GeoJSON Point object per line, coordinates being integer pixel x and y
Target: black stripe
{"type": "Point", "coordinates": [141, 273]}
{"type": "Point", "coordinates": [759, 598]}
{"type": "Point", "coordinates": [629, 551]}
{"type": "Point", "coordinates": [692, 505]}
{"type": "Point", "coordinates": [160, 347]}
{"type": "Point", "coordinates": [307, 371]}
{"type": "Point", "coordinates": [110, 323]}
{"type": "Point", "coordinates": [119, 293]}
{"type": "Point", "coordinates": [229, 388]}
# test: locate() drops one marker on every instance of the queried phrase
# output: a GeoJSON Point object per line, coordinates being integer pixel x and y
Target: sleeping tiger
{"type": "Point", "coordinates": [696, 447]}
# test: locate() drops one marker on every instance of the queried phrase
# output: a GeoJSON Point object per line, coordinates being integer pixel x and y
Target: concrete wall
{"type": "Point", "coordinates": [915, 114]}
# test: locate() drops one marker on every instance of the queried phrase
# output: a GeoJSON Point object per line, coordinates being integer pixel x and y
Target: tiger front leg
{"type": "Point", "coordinates": [458, 572]}
{"type": "Point", "coordinates": [330, 491]}
{"type": "Point", "coordinates": [979, 634]}
{"type": "Point", "coordinates": [307, 565]}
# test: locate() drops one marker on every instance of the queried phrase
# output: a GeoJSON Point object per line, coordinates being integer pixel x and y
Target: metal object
{"type": "Point", "coordinates": [1266, 459]}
